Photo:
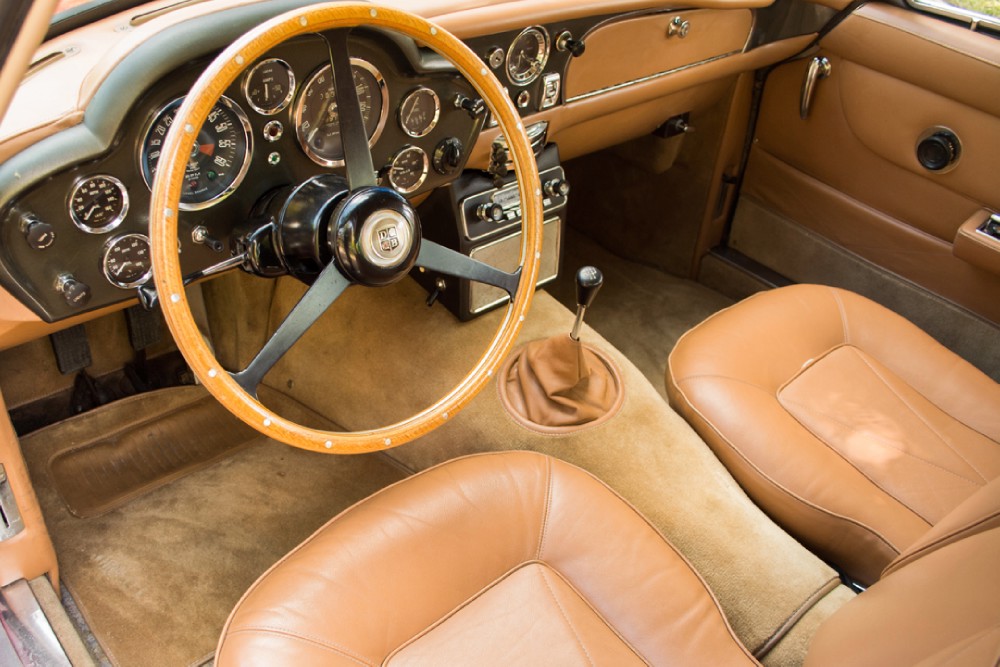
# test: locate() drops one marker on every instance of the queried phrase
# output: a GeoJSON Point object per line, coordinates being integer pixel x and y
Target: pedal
{"type": "Point", "coordinates": [145, 327]}
{"type": "Point", "coordinates": [71, 349]}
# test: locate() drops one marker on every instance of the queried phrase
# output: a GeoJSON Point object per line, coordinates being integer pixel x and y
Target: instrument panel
{"type": "Point", "coordinates": [277, 125]}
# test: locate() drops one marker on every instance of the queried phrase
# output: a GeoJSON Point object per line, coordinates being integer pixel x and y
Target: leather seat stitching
{"type": "Point", "coordinates": [954, 535]}
{"type": "Point", "coordinates": [562, 612]}
{"type": "Point", "coordinates": [264, 629]}
{"type": "Point", "coordinates": [545, 511]}
{"type": "Point", "coordinates": [767, 478]}
{"type": "Point", "coordinates": [921, 418]}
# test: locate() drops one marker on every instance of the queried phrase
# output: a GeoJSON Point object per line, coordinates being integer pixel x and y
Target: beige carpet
{"type": "Point", "coordinates": [640, 310]}
{"type": "Point", "coordinates": [157, 577]}
{"type": "Point", "coordinates": [648, 453]}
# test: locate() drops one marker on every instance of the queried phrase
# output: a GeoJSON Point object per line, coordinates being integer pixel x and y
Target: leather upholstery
{"type": "Point", "coordinates": [559, 385]}
{"type": "Point", "coordinates": [850, 426]}
{"type": "Point", "coordinates": [938, 610]}
{"type": "Point", "coordinates": [511, 558]}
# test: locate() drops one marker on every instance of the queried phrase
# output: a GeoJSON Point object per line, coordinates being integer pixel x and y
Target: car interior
{"type": "Point", "coordinates": [600, 332]}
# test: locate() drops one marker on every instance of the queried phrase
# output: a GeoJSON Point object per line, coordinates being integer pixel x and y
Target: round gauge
{"type": "Point", "coordinates": [127, 261]}
{"type": "Point", "coordinates": [527, 56]}
{"type": "Point", "coordinates": [98, 204]}
{"type": "Point", "coordinates": [317, 124]}
{"type": "Point", "coordinates": [408, 169]}
{"type": "Point", "coordinates": [419, 112]}
{"type": "Point", "coordinates": [269, 86]}
{"type": "Point", "coordinates": [220, 154]}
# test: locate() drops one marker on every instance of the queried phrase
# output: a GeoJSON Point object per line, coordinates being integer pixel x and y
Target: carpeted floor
{"type": "Point", "coordinates": [157, 577]}
{"type": "Point", "coordinates": [640, 310]}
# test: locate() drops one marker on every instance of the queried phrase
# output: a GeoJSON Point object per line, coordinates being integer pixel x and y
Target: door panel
{"type": "Point", "coordinates": [849, 172]}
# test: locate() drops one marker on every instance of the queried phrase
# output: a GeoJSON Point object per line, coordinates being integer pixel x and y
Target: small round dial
{"type": "Point", "coordinates": [317, 123]}
{"type": "Point", "coordinates": [127, 261]}
{"type": "Point", "coordinates": [220, 154]}
{"type": "Point", "coordinates": [419, 112]}
{"type": "Point", "coordinates": [408, 169]}
{"type": "Point", "coordinates": [527, 56]}
{"type": "Point", "coordinates": [269, 86]}
{"type": "Point", "coordinates": [98, 204]}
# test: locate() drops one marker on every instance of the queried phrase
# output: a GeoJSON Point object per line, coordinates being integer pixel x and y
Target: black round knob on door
{"type": "Point", "coordinates": [938, 150]}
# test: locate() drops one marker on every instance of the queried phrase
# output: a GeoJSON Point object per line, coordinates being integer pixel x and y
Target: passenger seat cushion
{"type": "Point", "coordinates": [505, 558]}
{"type": "Point", "coordinates": [845, 422]}
{"type": "Point", "coordinates": [938, 610]}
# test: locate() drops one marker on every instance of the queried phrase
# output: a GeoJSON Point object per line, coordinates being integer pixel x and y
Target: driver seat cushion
{"type": "Point", "coordinates": [507, 558]}
{"type": "Point", "coordinates": [850, 426]}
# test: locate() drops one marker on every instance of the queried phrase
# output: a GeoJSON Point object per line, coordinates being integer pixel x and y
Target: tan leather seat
{"type": "Point", "coordinates": [851, 427]}
{"type": "Point", "coordinates": [512, 558]}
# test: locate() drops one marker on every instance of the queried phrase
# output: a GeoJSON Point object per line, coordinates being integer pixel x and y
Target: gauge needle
{"type": "Point", "coordinates": [267, 92]}
{"type": "Point", "coordinates": [121, 269]}
{"type": "Point", "coordinates": [90, 212]}
{"type": "Point", "coordinates": [207, 149]}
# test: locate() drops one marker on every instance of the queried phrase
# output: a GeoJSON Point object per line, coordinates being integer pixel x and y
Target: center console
{"type": "Point", "coordinates": [479, 215]}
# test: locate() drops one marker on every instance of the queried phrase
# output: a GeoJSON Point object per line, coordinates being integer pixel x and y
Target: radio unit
{"type": "Point", "coordinates": [479, 219]}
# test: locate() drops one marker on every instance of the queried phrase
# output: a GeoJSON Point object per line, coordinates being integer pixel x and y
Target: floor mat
{"type": "Point", "coordinates": [640, 310]}
{"type": "Point", "coordinates": [156, 577]}
{"type": "Point", "coordinates": [179, 431]}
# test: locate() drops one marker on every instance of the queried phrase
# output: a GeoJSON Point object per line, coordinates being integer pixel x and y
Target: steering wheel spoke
{"type": "Point", "coordinates": [357, 155]}
{"type": "Point", "coordinates": [436, 257]}
{"type": "Point", "coordinates": [328, 287]}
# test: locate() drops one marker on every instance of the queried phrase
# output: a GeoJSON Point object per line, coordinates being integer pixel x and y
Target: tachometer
{"type": "Point", "coordinates": [317, 124]}
{"type": "Point", "coordinates": [220, 155]}
{"type": "Point", "coordinates": [527, 56]}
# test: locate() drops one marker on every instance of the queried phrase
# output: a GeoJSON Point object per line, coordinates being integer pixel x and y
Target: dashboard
{"type": "Point", "coordinates": [79, 240]}
{"type": "Point", "coordinates": [74, 202]}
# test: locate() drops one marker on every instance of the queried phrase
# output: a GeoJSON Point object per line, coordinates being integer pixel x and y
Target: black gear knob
{"type": "Point", "coordinates": [588, 282]}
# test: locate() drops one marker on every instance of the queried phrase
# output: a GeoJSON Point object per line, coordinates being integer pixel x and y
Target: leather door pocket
{"type": "Point", "coordinates": [978, 241]}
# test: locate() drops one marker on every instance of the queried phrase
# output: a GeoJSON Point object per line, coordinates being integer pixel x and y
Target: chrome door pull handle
{"type": "Point", "coordinates": [819, 68]}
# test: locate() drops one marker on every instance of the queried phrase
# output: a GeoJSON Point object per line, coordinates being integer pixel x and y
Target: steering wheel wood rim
{"type": "Point", "coordinates": [167, 185]}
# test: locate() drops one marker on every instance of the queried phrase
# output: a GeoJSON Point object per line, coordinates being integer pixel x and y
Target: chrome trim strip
{"type": "Point", "coordinates": [651, 77]}
{"type": "Point", "coordinates": [975, 20]}
{"type": "Point", "coordinates": [28, 629]}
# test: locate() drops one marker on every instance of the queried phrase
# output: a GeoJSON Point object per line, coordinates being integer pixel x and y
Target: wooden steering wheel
{"type": "Point", "coordinates": [352, 228]}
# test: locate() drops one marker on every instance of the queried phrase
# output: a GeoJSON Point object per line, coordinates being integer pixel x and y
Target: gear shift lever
{"type": "Point", "coordinates": [588, 282]}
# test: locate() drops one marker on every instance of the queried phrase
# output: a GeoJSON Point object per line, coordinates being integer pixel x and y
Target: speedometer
{"type": "Point", "coordinates": [219, 156]}
{"type": "Point", "coordinates": [317, 123]}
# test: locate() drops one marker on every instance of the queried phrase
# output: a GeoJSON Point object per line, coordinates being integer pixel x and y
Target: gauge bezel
{"type": "Point", "coordinates": [434, 120]}
{"type": "Point", "coordinates": [104, 261]}
{"type": "Point", "coordinates": [423, 175]}
{"type": "Point", "coordinates": [237, 180]}
{"type": "Point", "coordinates": [300, 103]}
{"type": "Point", "coordinates": [546, 47]}
{"type": "Point", "coordinates": [291, 87]}
{"type": "Point", "coordinates": [80, 224]}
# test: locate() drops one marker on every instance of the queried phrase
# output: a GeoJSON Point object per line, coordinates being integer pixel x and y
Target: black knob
{"type": "Point", "coordinates": [938, 151]}
{"type": "Point", "coordinates": [473, 107]}
{"type": "Point", "coordinates": [490, 212]}
{"type": "Point", "coordinates": [40, 235]}
{"type": "Point", "coordinates": [76, 293]}
{"type": "Point", "coordinates": [448, 156]}
{"type": "Point", "coordinates": [565, 42]}
{"type": "Point", "coordinates": [557, 187]}
{"type": "Point", "coordinates": [588, 282]}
